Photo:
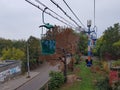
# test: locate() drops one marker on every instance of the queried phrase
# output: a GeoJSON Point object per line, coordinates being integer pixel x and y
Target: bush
{"type": "Point", "coordinates": [33, 64]}
{"type": "Point", "coordinates": [103, 84]}
{"type": "Point", "coordinates": [116, 85]}
{"type": "Point", "coordinates": [77, 58]}
{"type": "Point", "coordinates": [24, 66]}
{"type": "Point", "coordinates": [116, 63]}
{"type": "Point", "coordinates": [57, 79]}
{"type": "Point", "coordinates": [105, 66]}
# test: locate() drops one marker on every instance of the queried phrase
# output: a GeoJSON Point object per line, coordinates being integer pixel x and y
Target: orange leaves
{"type": "Point", "coordinates": [65, 39]}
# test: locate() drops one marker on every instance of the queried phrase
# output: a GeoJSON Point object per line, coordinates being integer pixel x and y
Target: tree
{"type": "Point", "coordinates": [21, 44]}
{"type": "Point", "coordinates": [12, 54]}
{"type": "Point", "coordinates": [82, 43]}
{"type": "Point", "coordinates": [33, 45]}
{"type": "Point", "coordinates": [65, 39]}
{"type": "Point", "coordinates": [34, 48]}
{"type": "Point", "coordinates": [97, 49]}
{"type": "Point", "coordinates": [107, 46]}
{"type": "Point", "coordinates": [4, 44]}
{"type": "Point", "coordinates": [116, 45]}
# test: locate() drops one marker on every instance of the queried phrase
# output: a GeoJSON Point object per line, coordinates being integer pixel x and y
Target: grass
{"type": "Point", "coordinates": [87, 79]}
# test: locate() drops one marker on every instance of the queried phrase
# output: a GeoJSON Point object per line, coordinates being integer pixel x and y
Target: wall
{"type": "Point", "coordinates": [9, 69]}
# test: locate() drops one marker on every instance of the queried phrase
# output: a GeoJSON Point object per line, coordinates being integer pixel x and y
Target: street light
{"type": "Point", "coordinates": [28, 65]}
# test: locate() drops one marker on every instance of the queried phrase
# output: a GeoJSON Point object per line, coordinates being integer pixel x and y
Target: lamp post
{"type": "Point", "coordinates": [28, 65]}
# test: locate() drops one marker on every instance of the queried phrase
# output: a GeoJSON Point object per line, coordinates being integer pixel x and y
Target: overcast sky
{"type": "Point", "coordinates": [19, 19]}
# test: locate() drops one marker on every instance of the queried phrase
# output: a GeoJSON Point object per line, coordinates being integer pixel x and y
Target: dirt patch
{"type": "Point", "coordinates": [72, 78]}
{"type": "Point", "coordinates": [76, 70]}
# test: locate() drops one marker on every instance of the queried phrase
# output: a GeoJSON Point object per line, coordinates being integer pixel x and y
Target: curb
{"type": "Point", "coordinates": [26, 81]}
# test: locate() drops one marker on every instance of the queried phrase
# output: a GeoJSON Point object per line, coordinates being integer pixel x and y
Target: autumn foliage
{"type": "Point", "coordinates": [65, 39]}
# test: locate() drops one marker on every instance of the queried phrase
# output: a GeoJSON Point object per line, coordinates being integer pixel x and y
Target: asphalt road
{"type": "Point", "coordinates": [37, 82]}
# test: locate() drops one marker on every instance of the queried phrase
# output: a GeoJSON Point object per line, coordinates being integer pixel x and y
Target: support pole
{"type": "Point", "coordinates": [65, 69]}
{"type": "Point", "coordinates": [89, 61]}
{"type": "Point", "coordinates": [89, 48]}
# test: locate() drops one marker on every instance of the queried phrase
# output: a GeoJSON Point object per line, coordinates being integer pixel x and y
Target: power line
{"type": "Point", "coordinates": [54, 12]}
{"type": "Point", "coordinates": [47, 12]}
{"type": "Point", "coordinates": [74, 13]}
{"type": "Point", "coordinates": [65, 13]}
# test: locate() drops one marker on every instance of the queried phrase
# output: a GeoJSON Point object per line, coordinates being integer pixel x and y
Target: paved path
{"type": "Point", "coordinates": [38, 78]}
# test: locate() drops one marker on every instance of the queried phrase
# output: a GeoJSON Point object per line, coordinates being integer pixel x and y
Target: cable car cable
{"type": "Point", "coordinates": [65, 13]}
{"type": "Point", "coordinates": [74, 13]}
{"type": "Point", "coordinates": [54, 12]}
{"type": "Point", "coordinates": [94, 14]}
{"type": "Point", "coordinates": [95, 27]}
{"type": "Point", "coordinates": [47, 12]}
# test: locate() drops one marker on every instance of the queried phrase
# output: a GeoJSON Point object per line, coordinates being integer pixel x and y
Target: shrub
{"type": "Point", "coordinates": [24, 67]}
{"type": "Point", "coordinates": [77, 58]}
{"type": "Point", "coordinates": [116, 63]}
{"type": "Point", "coordinates": [105, 66]}
{"type": "Point", "coordinates": [116, 85]}
{"type": "Point", "coordinates": [103, 84]}
{"type": "Point", "coordinates": [57, 79]}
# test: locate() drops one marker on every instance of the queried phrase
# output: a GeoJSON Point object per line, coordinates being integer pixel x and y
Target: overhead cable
{"type": "Point", "coordinates": [54, 12]}
{"type": "Point", "coordinates": [65, 13]}
{"type": "Point", "coordinates": [95, 27]}
{"type": "Point", "coordinates": [47, 12]}
{"type": "Point", "coordinates": [94, 15]}
{"type": "Point", "coordinates": [74, 13]}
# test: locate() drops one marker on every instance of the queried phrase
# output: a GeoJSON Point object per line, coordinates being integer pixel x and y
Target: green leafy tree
{"type": "Point", "coordinates": [12, 54]}
{"type": "Point", "coordinates": [97, 49]}
{"type": "Point", "coordinates": [108, 44]}
{"type": "Point", "coordinates": [34, 52]}
{"type": "Point", "coordinates": [21, 44]}
{"type": "Point", "coordinates": [4, 44]}
{"type": "Point", "coordinates": [82, 43]}
{"type": "Point", "coordinates": [116, 46]}
{"type": "Point", "coordinates": [34, 48]}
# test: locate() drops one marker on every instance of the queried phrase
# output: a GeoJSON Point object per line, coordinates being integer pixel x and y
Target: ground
{"type": "Point", "coordinates": [88, 77]}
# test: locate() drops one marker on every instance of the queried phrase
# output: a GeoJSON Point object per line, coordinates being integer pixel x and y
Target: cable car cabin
{"type": "Point", "coordinates": [48, 46]}
{"type": "Point", "coordinates": [48, 43]}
